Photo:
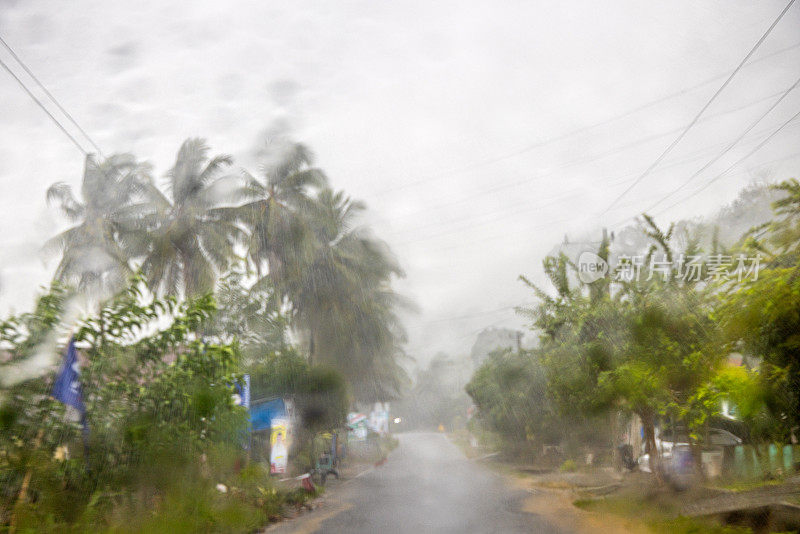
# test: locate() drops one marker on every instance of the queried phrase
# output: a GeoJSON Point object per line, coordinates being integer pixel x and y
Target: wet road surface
{"type": "Point", "coordinates": [427, 485]}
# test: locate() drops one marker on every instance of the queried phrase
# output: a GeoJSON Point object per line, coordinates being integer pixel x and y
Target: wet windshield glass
{"type": "Point", "coordinates": [399, 267]}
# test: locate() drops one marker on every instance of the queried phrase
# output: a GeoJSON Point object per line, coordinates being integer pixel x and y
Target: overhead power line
{"type": "Point", "coordinates": [702, 110]}
{"type": "Point", "coordinates": [50, 95]}
{"type": "Point", "coordinates": [793, 155]}
{"type": "Point", "coordinates": [530, 230]}
{"type": "Point", "coordinates": [583, 159]}
{"type": "Point", "coordinates": [479, 220]}
{"type": "Point", "coordinates": [733, 165]}
{"type": "Point", "coordinates": [39, 103]}
{"type": "Point", "coordinates": [560, 137]}
{"type": "Point", "coordinates": [729, 147]}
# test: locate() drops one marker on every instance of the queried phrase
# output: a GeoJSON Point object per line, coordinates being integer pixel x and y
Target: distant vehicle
{"type": "Point", "coordinates": [678, 438]}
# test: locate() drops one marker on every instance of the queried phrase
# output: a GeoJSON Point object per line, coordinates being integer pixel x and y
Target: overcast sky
{"type": "Point", "coordinates": [447, 118]}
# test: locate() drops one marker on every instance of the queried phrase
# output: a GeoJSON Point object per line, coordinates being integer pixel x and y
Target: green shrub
{"type": "Point", "coordinates": [568, 466]}
{"type": "Point", "coordinates": [163, 432]}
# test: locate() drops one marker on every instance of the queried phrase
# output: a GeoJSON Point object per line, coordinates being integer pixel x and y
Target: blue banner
{"type": "Point", "coordinates": [67, 387]}
{"type": "Point", "coordinates": [262, 413]}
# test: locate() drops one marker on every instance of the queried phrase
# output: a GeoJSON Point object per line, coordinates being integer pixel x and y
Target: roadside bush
{"type": "Point", "coordinates": [163, 431]}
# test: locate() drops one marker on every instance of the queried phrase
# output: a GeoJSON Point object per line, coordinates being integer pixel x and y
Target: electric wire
{"type": "Point", "coordinates": [524, 231]}
{"type": "Point", "coordinates": [720, 175]}
{"type": "Point", "coordinates": [737, 162]}
{"type": "Point", "coordinates": [504, 213]}
{"type": "Point", "coordinates": [727, 148]}
{"type": "Point", "coordinates": [702, 110]}
{"type": "Point", "coordinates": [575, 162]}
{"type": "Point", "coordinates": [39, 103]}
{"type": "Point", "coordinates": [560, 137]}
{"type": "Point", "coordinates": [50, 95]}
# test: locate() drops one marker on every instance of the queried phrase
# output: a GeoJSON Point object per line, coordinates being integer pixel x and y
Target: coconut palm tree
{"type": "Point", "coordinates": [344, 301]}
{"type": "Point", "coordinates": [275, 211]}
{"type": "Point", "coordinates": [184, 239]}
{"type": "Point", "coordinates": [93, 255]}
{"type": "Point", "coordinates": [333, 274]}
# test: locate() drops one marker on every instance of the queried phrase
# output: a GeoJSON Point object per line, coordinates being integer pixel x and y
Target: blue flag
{"type": "Point", "coordinates": [67, 387]}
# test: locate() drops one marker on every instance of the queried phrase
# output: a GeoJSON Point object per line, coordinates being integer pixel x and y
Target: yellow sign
{"type": "Point", "coordinates": [279, 446]}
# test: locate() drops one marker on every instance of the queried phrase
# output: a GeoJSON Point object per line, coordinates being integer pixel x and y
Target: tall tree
{"type": "Point", "coordinates": [184, 237]}
{"type": "Point", "coordinates": [334, 275]}
{"type": "Point", "coordinates": [344, 300]}
{"type": "Point", "coordinates": [93, 253]}
{"type": "Point", "coordinates": [275, 210]}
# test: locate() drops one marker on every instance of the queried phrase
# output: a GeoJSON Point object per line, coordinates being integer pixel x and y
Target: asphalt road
{"type": "Point", "coordinates": [427, 485]}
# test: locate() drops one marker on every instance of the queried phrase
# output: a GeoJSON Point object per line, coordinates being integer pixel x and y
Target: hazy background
{"type": "Point", "coordinates": [433, 113]}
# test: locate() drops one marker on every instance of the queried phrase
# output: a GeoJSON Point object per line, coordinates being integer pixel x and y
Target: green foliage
{"type": "Point", "coordinates": [94, 252]}
{"type": "Point", "coordinates": [342, 297]}
{"type": "Point", "coordinates": [163, 430]}
{"type": "Point", "coordinates": [251, 314]}
{"type": "Point", "coordinates": [656, 346]}
{"type": "Point", "coordinates": [183, 236]}
{"type": "Point", "coordinates": [648, 346]}
{"type": "Point", "coordinates": [568, 466]}
{"type": "Point", "coordinates": [762, 317]}
{"type": "Point", "coordinates": [20, 334]}
{"type": "Point", "coordinates": [510, 391]}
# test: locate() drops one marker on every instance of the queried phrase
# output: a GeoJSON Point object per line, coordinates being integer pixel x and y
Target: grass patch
{"type": "Point", "coordinates": [658, 518]}
{"type": "Point", "coordinates": [569, 466]}
{"type": "Point", "coordinates": [583, 504]}
{"type": "Point", "coordinates": [748, 485]}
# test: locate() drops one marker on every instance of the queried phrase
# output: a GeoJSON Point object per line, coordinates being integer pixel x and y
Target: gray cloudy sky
{"type": "Point", "coordinates": [432, 112]}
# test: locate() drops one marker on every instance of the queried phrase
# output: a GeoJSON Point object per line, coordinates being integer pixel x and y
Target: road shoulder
{"type": "Point", "coordinates": [556, 506]}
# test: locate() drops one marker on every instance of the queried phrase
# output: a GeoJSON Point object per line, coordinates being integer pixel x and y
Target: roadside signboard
{"type": "Point", "coordinates": [279, 446]}
{"type": "Point", "coordinates": [357, 425]}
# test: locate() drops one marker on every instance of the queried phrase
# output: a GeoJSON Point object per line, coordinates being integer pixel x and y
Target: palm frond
{"type": "Point", "coordinates": [61, 193]}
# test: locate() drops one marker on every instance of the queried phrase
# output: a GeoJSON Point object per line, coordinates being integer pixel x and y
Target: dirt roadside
{"type": "Point", "coordinates": [556, 505]}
